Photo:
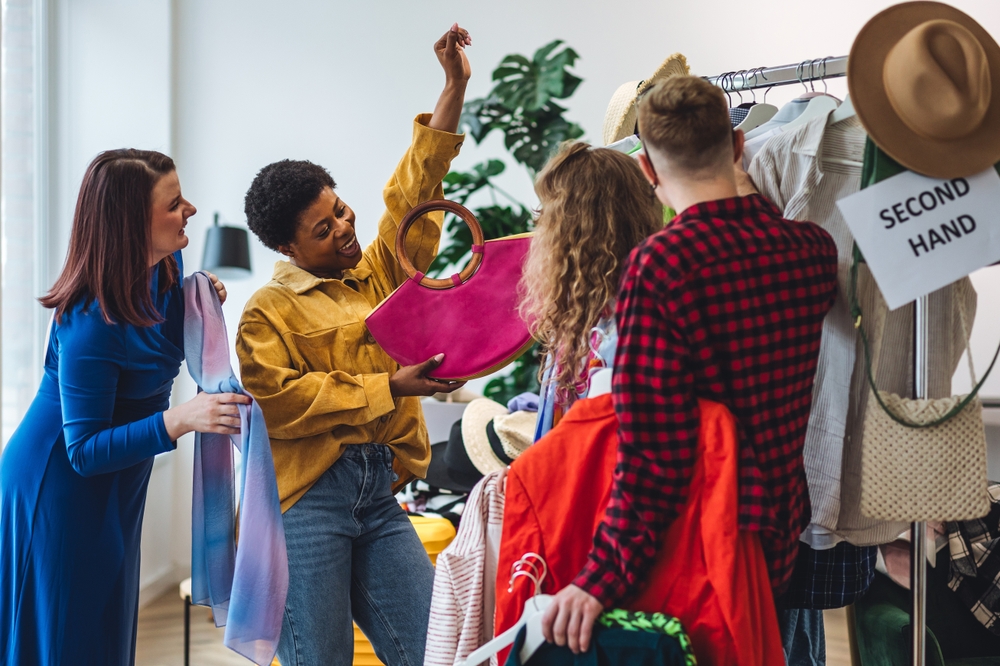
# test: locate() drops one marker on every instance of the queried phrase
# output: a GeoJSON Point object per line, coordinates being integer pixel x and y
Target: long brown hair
{"type": "Point", "coordinates": [596, 207]}
{"type": "Point", "coordinates": [108, 256]}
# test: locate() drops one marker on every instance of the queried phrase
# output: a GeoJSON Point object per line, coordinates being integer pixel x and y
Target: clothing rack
{"type": "Point", "coordinates": [818, 70]}
{"type": "Point", "coordinates": [765, 77]}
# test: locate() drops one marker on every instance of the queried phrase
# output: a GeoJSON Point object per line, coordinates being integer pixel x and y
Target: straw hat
{"type": "Point", "coordinates": [622, 113]}
{"type": "Point", "coordinates": [925, 81]}
{"type": "Point", "coordinates": [495, 437]}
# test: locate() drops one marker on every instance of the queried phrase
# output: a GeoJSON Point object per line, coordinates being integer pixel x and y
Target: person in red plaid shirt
{"type": "Point", "coordinates": [726, 304]}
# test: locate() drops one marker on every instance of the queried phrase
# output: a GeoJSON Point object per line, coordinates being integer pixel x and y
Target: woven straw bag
{"type": "Point", "coordinates": [922, 459]}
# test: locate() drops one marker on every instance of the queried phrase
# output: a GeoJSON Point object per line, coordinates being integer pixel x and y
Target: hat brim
{"type": "Point", "coordinates": [440, 476]}
{"type": "Point", "coordinates": [477, 444]}
{"type": "Point", "coordinates": [939, 159]}
{"type": "Point", "coordinates": [622, 112]}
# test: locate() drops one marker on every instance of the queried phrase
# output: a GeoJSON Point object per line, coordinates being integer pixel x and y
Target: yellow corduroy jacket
{"type": "Point", "coordinates": [307, 357]}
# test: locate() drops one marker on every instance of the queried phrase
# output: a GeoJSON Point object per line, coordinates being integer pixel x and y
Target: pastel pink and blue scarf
{"type": "Point", "coordinates": [246, 586]}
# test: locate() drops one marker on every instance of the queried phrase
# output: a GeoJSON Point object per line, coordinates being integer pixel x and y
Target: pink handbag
{"type": "Point", "coordinates": [472, 317]}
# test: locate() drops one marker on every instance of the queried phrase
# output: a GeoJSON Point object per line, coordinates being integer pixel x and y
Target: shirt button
{"type": "Point", "coordinates": [384, 418]}
{"type": "Point", "coordinates": [370, 338]}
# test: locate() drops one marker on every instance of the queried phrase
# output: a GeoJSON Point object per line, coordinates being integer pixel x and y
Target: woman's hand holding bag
{"type": "Point", "coordinates": [472, 317]}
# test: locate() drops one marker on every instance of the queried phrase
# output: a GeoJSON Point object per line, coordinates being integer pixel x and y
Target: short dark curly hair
{"type": "Point", "coordinates": [279, 194]}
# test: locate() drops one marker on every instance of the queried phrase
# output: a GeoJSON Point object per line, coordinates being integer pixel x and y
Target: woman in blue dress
{"type": "Point", "coordinates": [73, 476]}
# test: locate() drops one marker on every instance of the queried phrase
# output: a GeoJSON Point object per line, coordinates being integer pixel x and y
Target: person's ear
{"type": "Point", "coordinates": [286, 250]}
{"type": "Point", "coordinates": [739, 140]}
{"type": "Point", "coordinates": [647, 169]}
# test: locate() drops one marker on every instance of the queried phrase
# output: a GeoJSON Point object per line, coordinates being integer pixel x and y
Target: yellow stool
{"type": "Point", "coordinates": [435, 534]}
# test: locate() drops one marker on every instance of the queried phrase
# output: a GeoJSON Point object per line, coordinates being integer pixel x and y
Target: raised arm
{"type": "Point", "coordinates": [418, 176]}
{"type": "Point", "coordinates": [450, 50]}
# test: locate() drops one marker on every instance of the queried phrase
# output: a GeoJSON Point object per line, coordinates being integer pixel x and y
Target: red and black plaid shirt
{"type": "Point", "coordinates": [726, 304]}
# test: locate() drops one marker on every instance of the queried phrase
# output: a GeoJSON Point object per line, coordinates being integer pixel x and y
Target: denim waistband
{"type": "Point", "coordinates": [379, 452]}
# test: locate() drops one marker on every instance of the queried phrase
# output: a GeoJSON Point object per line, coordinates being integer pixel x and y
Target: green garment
{"type": "Point", "coordinates": [878, 166]}
{"type": "Point", "coordinates": [655, 622]}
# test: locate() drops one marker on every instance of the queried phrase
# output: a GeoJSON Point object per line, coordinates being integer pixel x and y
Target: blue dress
{"type": "Point", "coordinates": [73, 487]}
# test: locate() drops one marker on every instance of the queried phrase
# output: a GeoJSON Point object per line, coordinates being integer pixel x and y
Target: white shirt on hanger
{"type": "Point", "coordinates": [789, 170]}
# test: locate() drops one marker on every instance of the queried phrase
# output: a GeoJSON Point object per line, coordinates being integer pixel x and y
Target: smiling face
{"type": "Point", "coordinates": [324, 242]}
{"type": "Point", "coordinates": [168, 216]}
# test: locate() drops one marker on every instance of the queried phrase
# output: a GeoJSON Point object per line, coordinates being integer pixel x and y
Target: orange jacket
{"type": "Point", "coordinates": [708, 574]}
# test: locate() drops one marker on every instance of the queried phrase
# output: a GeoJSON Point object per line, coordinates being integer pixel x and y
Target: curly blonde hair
{"type": "Point", "coordinates": [596, 206]}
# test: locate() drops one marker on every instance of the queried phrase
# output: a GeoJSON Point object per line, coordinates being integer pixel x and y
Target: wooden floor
{"type": "Point", "coordinates": [161, 637]}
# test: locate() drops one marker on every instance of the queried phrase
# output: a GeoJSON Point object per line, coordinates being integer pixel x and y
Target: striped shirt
{"type": "Point", "coordinates": [464, 594]}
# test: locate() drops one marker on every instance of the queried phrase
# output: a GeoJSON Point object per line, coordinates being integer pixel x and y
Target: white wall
{"type": "Point", "coordinates": [110, 71]}
{"type": "Point", "coordinates": [338, 83]}
{"type": "Point", "coordinates": [228, 86]}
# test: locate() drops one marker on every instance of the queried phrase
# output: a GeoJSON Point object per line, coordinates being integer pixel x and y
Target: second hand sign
{"type": "Point", "coordinates": [919, 234]}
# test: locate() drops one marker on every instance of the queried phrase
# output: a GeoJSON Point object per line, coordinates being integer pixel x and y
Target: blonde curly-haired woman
{"type": "Point", "coordinates": [596, 206]}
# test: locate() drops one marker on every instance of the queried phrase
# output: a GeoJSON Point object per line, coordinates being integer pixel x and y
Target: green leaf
{"type": "Point", "coordinates": [522, 377]}
{"type": "Point", "coordinates": [542, 53]}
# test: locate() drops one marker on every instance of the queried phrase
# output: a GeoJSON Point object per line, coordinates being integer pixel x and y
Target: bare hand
{"type": "Point", "coordinates": [413, 380]}
{"type": "Point", "coordinates": [206, 412]}
{"type": "Point", "coordinates": [570, 619]}
{"type": "Point", "coordinates": [450, 50]}
{"type": "Point", "coordinates": [220, 288]}
{"type": "Point", "coordinates": [744, 184]}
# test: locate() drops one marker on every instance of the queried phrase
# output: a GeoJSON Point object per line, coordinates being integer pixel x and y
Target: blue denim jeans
{"type": "Point", "coordinates": [803, 635]}
{"type": "Point", "coordinates": [353, 554]}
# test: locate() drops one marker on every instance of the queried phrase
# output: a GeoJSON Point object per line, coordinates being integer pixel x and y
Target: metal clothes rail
{"type": "Point", "coordinates": [765, 77]}
{"type": "Point", "coordinates": [818, 70]}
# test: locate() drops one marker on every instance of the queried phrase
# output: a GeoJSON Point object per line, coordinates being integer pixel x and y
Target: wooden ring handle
{"type": "Point", "coordinates": [428, 207]}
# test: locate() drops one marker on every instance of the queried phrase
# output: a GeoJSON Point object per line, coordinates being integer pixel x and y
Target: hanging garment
{"type": "Point", "coordinates": [246, 587]}
{"type": "Point", "coordinates": [974, 546]}
{"type": "Point", "coordinates": [737, 115]}
{"type": "Point", "coordinates": [620, 639]}
{"type": "Point", "coordinates": [756, 138]}
{"type": "Point", "coordinates": [970, 549]}
{"type": "Point", "coordinates": [830, 578]}
{"type": "Point", "coordinates": [603, 340]}
{"type": "Point", "coordinates": [73, 481]}
{"type": "Point", "coordinates": [708, 573]}
{"type": "Point", "coordinates": [464, 597]}
{"type": "Point", "coordinates": [790, 173]}
{"type": "Point", "coordinates": [785, 115]}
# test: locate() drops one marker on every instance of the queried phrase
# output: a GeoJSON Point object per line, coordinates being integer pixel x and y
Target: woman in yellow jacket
{"type": "Point", "coordinates": [344, 419]}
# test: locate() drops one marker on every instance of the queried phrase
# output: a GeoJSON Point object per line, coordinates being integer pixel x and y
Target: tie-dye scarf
{"type": "Point", "coordinates": [245, 587]}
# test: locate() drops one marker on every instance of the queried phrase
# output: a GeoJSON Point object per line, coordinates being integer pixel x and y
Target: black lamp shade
{"type": "Point", "coordinates": [227, 252]}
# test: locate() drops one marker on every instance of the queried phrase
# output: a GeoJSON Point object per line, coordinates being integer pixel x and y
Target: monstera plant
{"type": "Point", "coordinates": [522, 106]}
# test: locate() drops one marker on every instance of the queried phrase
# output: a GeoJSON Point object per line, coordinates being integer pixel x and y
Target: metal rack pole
{"type": "Point", "coordinates": [766, 77]}
{"type": "Point", "coordinates": [918, 530]}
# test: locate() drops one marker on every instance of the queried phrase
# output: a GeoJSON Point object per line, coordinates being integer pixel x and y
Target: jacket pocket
{"type": "Point", "coordinates": [329, 350]}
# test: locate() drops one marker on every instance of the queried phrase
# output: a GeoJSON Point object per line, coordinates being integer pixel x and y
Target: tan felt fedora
{"type": "Point", "coordinates": [925, 81]}
{"type": "Point", "coordinates": [622, 113]}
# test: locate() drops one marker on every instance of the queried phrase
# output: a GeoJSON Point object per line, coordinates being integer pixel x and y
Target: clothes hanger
{"type": "Point", "coordinates": [531, 617]}
{"type": "Point", "coordinates": [759, 113]}
{"type": "Point", "coordinates": [843, 112]}
{"type": "Point", "coordinates": [600, 382]}
{"type": "Point", "coordinates": [820, 105]}
{"type": "Point", "coordinates": [785, 114]}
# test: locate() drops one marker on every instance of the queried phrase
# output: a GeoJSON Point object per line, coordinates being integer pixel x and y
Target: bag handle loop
{"type": "Point", "coordinates": [858, 324]}
{"type": "Point", "coordinates": [477, 243]}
